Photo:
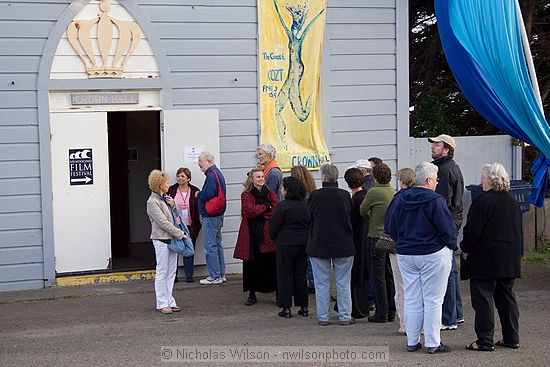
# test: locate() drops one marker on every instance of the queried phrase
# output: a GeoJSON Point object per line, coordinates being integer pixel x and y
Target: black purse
{"type": "Point", "coordinates": [385, 243]}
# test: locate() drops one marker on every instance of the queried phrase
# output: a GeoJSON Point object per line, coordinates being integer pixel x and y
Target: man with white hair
{"type": "Point", "coordinates": [212, 222]}
{"type": "Point", "coordinates": [272, 172]}
{"type": "Point", "coordinates": [451, 187]}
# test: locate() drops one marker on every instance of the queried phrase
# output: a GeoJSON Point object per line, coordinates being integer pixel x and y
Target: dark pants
{"type": "Point", "coordinates": [382, 276]}
{"type": "Point", "coordinates": [485, 295]}
{"type": "Point", "coordinates": [291, 276]}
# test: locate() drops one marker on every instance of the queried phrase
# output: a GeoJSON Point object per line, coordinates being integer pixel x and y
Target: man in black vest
{"type": "Point", "coordinates": [451, 186]}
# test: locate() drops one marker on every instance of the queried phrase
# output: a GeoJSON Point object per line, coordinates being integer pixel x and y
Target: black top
{"type": "Point", "coordinates": [359, 224]}
{"type": "Point", "coordinates": [290, 223]}
{"type": "Point", "coordinates": [492, 237]}
{"type": "Point", "coordinates": [330, 231]}
{"type": "Point", "coordinates": [368, 183]}
{"type": "Point", "coordinates": [451, 186]}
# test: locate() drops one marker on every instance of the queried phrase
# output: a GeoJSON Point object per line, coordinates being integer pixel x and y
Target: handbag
{"type": "Point", "coordinates": [215, 205]}
{"type": "Point", "coordinates": [385, 243]}
{"type": "Point", "coordinates": [184, 246]}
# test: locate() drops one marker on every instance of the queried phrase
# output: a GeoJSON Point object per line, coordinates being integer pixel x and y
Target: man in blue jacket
{"type": "Point", "coordinates": [212, 223]}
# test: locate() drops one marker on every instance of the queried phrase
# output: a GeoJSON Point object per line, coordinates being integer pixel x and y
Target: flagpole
{"type": "Point", "coordinates": [529, 57]}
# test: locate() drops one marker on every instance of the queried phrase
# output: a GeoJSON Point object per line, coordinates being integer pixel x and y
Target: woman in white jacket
{"type": "Point", "coordinates": [163, 231]}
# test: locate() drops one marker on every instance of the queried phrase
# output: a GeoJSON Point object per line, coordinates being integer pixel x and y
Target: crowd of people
{"type": "Point", "coordinates": [392, 254]}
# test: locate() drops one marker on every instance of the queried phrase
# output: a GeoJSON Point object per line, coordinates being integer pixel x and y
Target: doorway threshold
{"type": "Point", "coordinates": [124, 276]}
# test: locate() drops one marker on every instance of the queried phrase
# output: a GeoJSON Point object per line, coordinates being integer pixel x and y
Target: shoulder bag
{"type": "Point", "coordinates": [215, 205]}
{"type": "Point", "coordinates": [385, 243]}
{"type": "Point", "coordinates": [184, 246]}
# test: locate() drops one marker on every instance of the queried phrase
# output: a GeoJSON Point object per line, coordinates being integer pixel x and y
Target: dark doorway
{"type": "Point", "coordinates": [134, 150]}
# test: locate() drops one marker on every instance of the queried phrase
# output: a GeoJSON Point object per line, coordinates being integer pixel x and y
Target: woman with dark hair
{"type": "Point", "coordinates": [374, 206]}
{"type": "Point", "coordinates": [289, 229]}
{"type": "Point", "coordinates": [491, 249]}
{"type": "Point", "coordinates": [187, 203]}
{"type": "Point", "coordinates": [360, 270]}
{"type": "Point", "coordinates": [254, 246]}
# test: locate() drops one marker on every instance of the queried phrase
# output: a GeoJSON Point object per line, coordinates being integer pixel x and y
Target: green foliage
{"type": "Point", "coordinates": [541, 256]}
{"type": "Point", "coordinates": [431, 117]}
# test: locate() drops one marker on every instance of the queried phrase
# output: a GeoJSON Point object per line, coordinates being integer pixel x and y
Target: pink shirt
{"type": "Point", "coordinates": [182, 201]}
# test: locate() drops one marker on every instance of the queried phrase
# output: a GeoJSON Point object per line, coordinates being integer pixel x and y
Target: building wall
{"type": "Point", "coordinates": [211, 49]}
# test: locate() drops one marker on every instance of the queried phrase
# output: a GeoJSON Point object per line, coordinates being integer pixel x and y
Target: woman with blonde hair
{"type": "Point", "coordinates": [160, 208]}
{"type": "Point", "coordinates": [254, 246]}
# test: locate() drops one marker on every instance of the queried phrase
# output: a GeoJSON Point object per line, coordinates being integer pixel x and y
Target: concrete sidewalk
{"type": "Point", "coordinates": [115, 324]}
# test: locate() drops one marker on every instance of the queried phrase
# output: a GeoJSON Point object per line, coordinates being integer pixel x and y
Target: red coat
{"type": "Point", "coordinates": [250, 210]}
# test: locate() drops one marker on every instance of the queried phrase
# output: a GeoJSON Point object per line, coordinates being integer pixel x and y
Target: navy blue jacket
{"type": "Point", "coordinates": [210, 188]}
{"type": "Point", "coordinates": [419, 222]}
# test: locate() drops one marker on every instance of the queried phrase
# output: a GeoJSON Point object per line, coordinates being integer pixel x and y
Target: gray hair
{"type": "Point", "coordinates": [500, 181]}
{"type": "Point", "coordinates": [269, 149]}
{"type": "Point", "coordinates": [424, 171]}
{"type": "Point", "coordinates": [208, 156]}
{"type": "Point", "coordinates": [329, 173]}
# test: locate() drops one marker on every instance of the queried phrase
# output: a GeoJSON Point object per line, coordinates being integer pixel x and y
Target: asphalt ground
{"type": "Point", "coordinates": [115, 324]}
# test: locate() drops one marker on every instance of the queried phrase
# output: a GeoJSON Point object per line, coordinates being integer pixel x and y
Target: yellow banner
{"type": "Point", "coordinates": [290, 34]}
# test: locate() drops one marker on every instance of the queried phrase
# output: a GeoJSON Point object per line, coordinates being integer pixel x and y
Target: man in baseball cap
{"type": "Point", "coordinates": [366, 170]}
{"type": "Point", "coordinates": [451, 186]}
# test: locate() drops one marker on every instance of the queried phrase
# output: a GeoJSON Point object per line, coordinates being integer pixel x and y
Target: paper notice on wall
{"type": "Point", "coordinates": [191, 154]}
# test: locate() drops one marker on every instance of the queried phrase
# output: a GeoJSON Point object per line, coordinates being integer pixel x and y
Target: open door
{"type": "Point", "coordinates": [80, 181]}
{"type": "Point", "coordinates": [185, 133]}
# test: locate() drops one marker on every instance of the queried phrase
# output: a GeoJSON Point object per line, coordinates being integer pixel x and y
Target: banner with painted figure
{"type": "Point", "coordinates": [290, 48]}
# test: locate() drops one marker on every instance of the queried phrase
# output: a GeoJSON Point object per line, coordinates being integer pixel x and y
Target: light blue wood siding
{"type": "Point", "coordinates": [24, 29]}
{"type": "Point", "coordinates": [211, 48]}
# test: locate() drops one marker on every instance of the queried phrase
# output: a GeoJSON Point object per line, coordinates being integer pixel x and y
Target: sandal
{"type": "Point", "coordinates": [500, 343]}
{"type": "Point", "coordinates": [480, 348]}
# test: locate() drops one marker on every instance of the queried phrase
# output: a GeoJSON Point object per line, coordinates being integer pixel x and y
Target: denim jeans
{"type": "Point", "coordinates": [188, 265]}
{"type": "Point", "coordinates": [424, 281]}
{"type": "Point", "coordinates": [309, 274]}
{"type": "Point", "coordinates": [452, 304]}
{"type": "Point", "coordinates": [342, 276]}
{"type": "Point", "coordinates": [213, 248]}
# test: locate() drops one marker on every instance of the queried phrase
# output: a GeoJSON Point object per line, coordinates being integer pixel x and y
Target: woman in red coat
{"type": "Point", "coordinates": [254, 246]}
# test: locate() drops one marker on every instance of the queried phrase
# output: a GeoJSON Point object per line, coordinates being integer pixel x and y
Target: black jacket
{"type": "Point", "coordinates": [290, 224]}
{"type": "Point", "coordinates": [330, 232]}
{"type": "Point", "coordinates": [492, 237]}
{"type": "Point", "coordinates": [368, 183]}
{"type": "Point", "coordinates": [451, 186]}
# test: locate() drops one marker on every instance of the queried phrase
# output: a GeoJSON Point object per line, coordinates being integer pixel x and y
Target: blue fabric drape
{"type": "Point", "coordinates": [482, 43]}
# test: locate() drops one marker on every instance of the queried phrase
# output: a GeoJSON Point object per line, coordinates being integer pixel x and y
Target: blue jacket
{"type": "Point", "coordinates": [419, 222]}
{"type": "Point", "coordinates": [210, 188]}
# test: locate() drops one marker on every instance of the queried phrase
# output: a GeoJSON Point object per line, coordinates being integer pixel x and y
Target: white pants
{"type": "Point", "coordinates": [167, 264]}
{"type": "Point", "coordinates": [399, 292]}
{"type": "Point", "coordinates": [425, 282]}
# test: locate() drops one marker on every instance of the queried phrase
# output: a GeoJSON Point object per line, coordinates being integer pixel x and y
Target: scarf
{"type": "Point", "coordinates": [256, 225]}
{"type": "Point", "coordinates": [271, 165]}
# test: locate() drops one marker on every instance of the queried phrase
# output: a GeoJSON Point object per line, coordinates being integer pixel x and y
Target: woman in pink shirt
{"type": "Point", "coordinates": [184, 196]}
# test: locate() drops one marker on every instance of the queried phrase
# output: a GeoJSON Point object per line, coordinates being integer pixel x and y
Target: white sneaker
{"type": "Point", "coordinates": [224, 279]}
{"type": "Point", "coordinates": [449, 327]}
{"type": "Point", "coordinates": [460, 320]}
{"type": "Point", "coordinates": [210, 281]}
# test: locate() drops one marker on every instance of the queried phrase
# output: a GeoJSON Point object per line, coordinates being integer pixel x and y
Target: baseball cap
{"type": "Point", "coordinates": [360, 163]}
{"type": "Point", "coordinates": [444, 138]}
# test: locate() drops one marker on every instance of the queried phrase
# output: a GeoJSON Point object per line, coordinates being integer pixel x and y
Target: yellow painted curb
{"type": "Point", "coordinates": [76, 280]}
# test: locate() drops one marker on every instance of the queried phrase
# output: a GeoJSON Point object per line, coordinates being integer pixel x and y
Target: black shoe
{"type": "Point", "coordinates": [377, 319]}
{"type": "Point", "coordinates": [371, 308]}
{"type": "Point", "coordinates": [251, 301]}
{"type": "Point", "coordinates": [285, 312]}
{"type": "Point", "coordinates": [391, 318]}
{"type": "Point", "coordinates": [190, 279]}
{"type": "Point", "coordinates": [303, 311]}
{"type": "Point", "coordinates": [414, 348]}
{"type": "Point", "coordinates": [311, 290]}
{"type": "Point", "coordinates": [442, 348]}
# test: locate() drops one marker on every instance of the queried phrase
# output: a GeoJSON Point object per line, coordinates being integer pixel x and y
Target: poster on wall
{"type": "Point", "coordinates": [290, 48]}
{"type": "Point", "coordinates": [81, 167]}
